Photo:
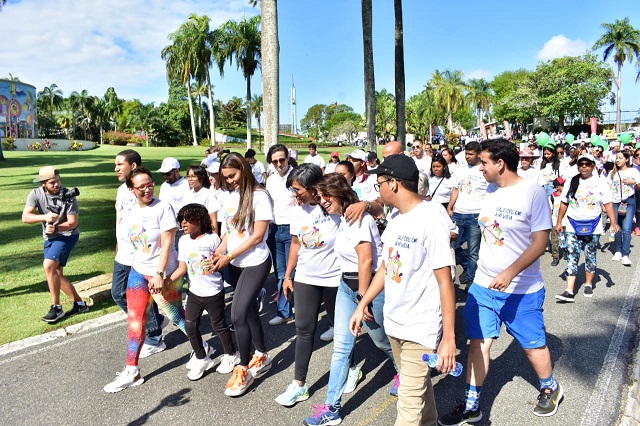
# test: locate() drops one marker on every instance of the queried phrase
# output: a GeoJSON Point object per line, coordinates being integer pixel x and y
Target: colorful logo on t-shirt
{"type": "Point", "coordinates": [198, 264]}
{"type": "Point", "coordinates": [230, 225]}
{"type": "Point", "coordinates": [393, 266]}
{"type": "Point", "coordinates": [310, 237]}
{"type": "Point", "coordinates": [139, 238]}
{"type": "Point", "coordinates": [491, 231]}
{"type": "Point", "coordinates": [465, 186]}
{"type": "Point", "coordinates": [583, 199]}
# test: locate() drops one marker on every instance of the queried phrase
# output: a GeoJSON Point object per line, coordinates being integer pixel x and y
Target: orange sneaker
{"type": "Point", "coordinates": [260, 364]}
{"type": "Point", "coordinates": [239, 382]}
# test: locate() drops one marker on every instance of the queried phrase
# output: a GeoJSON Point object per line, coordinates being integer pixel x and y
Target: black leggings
{"type": "Point", "coordinates": [214, 305]}
{"type": "Point", "coordinates": [307, 299]}
{"type": "Point", "coordinates": [245, 317]}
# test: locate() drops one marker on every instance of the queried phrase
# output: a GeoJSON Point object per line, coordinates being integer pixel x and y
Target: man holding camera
{"type": "Point", "coordinates": [56, 208]}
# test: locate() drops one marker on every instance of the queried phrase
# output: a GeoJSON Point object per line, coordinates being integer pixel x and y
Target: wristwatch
{"type": "Point", "coordinates": [160, 273]}
{"type": "Point", "coordinates": [368, 203]}
{"type": "Point", "coordinates": [359, 297]}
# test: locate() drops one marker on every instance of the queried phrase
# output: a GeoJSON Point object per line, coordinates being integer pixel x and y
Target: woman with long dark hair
{"type": "Point", "coordinates": [246, 214]}
{"type": "Point", "coordinates": [623, 183]}
{"type": "Point", "coordinates": [549, 168]}
{"type": "Point", "coordinates": [440, 182]}
{"type": "Point", "coordinates": [582, 200]}
{"type": "Point", "coordinates": [452, 162]}
{"type": "Point", "coordinates": [200, 193]}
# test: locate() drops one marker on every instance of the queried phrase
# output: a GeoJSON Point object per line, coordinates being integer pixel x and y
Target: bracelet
{"type": "Point", "coordinates": [231, 257]}
{"type": "Point", "coordinates": [287, 279]}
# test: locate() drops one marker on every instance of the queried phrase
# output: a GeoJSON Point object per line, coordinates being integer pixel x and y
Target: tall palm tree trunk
{"type": "Point", "coordinates": [193, 121]}
{"type": "Point", "coordinates": [270, 72]}
{"type": "Point", "coordinates": [212, 120]}
{"type": "Point", "coordinates": [248, 112]}
{"type": "Point", "coordinates": [369, 75]}
{"type": "Point", "coordinates": [619, 98]}
{"type": "Point", "coordinates": [401, 118]}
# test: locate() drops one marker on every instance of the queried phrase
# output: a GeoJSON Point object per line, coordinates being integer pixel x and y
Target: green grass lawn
{"type": "Point", "coordinates": [24, 296]}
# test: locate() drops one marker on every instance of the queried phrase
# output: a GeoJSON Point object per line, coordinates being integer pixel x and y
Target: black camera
{"type": "Point", "coordinates": [66, 196]}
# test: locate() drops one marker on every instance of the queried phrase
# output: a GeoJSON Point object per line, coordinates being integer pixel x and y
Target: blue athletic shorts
{"type": "Point", "coordinates": [521, 314]}
{"type": "Point", "coordinates": [59, 248]}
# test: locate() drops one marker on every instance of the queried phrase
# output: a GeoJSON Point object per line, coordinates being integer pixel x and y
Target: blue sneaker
{"type": "Point", "coordinates": [324, 415]}
{"type": "Point", "coordinates": [393, 390]}
{"type": "Point", "coordinates": [293, 394]}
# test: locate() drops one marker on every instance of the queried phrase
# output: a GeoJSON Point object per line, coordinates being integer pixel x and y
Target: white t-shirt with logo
{"type": "Point", "coordinates": [508, 218]}
{"type": "Point", "coordinates": [197, 255]}
{"type": "Point", "coordinates": [315, 159]}
{"type": "Point", "coordinates": [531, 173]}
{"type": "Point", "coordinates": [146, 225]}
{"type": "Point", "coordinates": [627, 190]}
{"type": "Point", "coordinates": [472, 187]}
{"type": "Point", "coordinates": [442, 187]}
{"type": "Point", "coordinates": [174, 193]}
{"type": "Point", "coordinates": [204, 197]}
{"type": "Point", "coordinates": [591, 194]}
{"type": "Point", "coordinates": [125, 202]}
{"type": "Point", "coordinates": [236, 237]}
{"type": "Point", "coordinates": [317, 259]}
{"type": "Point", "coordinates": [414, 245]}
{"type": "Point", "coordinates": [363, 185]}
{"type": "Point", "coordinates": [349, 236]}
{"type": "Point", "coordinates": [282, 198]}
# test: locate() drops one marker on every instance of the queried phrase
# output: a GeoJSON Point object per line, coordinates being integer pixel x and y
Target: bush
{"type": "Point", "coordinates": [120, 138]}
{"type": "Point", "coordinates": [8, 144]}
{"type": "Point", "coordinates": [75, 146]}
{"type": "Point", "coordinates": [35, 147]}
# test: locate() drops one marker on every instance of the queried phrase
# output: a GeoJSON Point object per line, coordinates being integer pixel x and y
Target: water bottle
{"type": "Point", "coordinates": [562, 240]}
{"type": "Point", "coordinates": [432, 360]}
{"type": "Point", "coordinates": [612, 235]}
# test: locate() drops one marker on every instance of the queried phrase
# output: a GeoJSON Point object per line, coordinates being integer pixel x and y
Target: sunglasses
{"type": "Point", "coordinates": [326, 197]}
{"type": "Point", "coordinates": [585, 164]}
{"type": "Point", "coordinates": [416, 147]}
{"type": "Point", "coordinates": [277, 161]}
{"type": "Point", "coordinates": [141, 188]}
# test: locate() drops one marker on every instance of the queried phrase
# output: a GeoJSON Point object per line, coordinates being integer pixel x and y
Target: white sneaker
{"type": "Point", "coordinates": [278, 320]}
{"type": "Point", "coordinates": [626, 261]}
{"type": "Point", "coordinates": [327, 336]}
{"type": "Point", "coordinates": [148, 350]}
{"type": "Point", "coordinates": [260, 364]}
{"type": "Point", "coordinates": [208, 350]}
{"type": "Point", "coordinates": [617, 256]}
{"type": "Point", "coordinates": [261, 297]}
{"type": "Point", "coordinates": [353, 378]}
{"type": "Point", "coordinates": [126, 379]}
{"type": "Point", "coordinates": [228, 363]}
{"type": "Point", "coordinates": [199, 366]}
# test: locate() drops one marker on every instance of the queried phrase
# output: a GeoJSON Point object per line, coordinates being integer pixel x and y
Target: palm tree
{"type": "Point", "coordinates": [623, 41]}
{"type": "Point", "coordinates": [242, 42]}
{"type": "Point", "coordinates": [113, 106]}
{"type": "Point", "coordinates": [449, 88]}
{"type": "Point", "coordinates": [401, 118]}
{"type": "Point", "coordinates": [369, 75]}
{"type": "Point", "coordinates": [51, 98]}
{"type": "Point", "coordinates": [480, 96]}
{"type": "Point", "coordinates": [256, 107]}
{"type": "Point", "coordinates": [197, 91]}
{"type": "Point", "coordinates": [81, 102]}
{"type": "Point", "coordinates": [385, 113]}
{"type": "Point", "coordinates": [182, 65]}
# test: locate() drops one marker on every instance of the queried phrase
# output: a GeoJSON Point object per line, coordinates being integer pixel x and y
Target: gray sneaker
{"type": "Point", "coordinates": [548, 402]}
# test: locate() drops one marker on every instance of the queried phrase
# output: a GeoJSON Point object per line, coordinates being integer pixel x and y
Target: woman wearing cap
{"type": "Point", "coordinates": [331, 166]}
{"type": "Point", "coordinates": [152, 229]}
{"type": "Point", "coordinates": [317, 271]}
{"type": "Point", "coordinates": [582, 201]}
{"type": "Point", "coordinates": [200, 193]}
{"type": "Point", "coordinates": [526, 170]}
{"type": "Point", "coordinates": [359, 251]}
{"type": "Point", "coordinates": [623, 183]}
{"type": "Point", "coordinates": [246, 214]}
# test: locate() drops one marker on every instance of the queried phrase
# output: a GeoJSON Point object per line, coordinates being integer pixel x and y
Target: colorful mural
{"type": "Point", "coordinates": [17, 109]}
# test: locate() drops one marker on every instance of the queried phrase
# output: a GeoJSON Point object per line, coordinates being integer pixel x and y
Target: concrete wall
{"type": "Point", "coordinates": [56, 144]}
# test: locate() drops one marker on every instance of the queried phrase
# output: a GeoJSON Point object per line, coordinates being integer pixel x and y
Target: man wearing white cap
{"type": "Point", "coordinates": [174, 188]}
{"type": "Point", "coordinates": [56, 208]}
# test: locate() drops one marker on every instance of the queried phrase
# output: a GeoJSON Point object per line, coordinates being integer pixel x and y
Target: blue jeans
{"type": "Point", "coordinates": [119, 294]}
{"type": "Point", "coordinates": [344, 341]}
{"type": "Point", "coordinates": [279, 242]}
{"type": "Point", "coordinates": [469, 232]}
{"type": "Point", "coordinates": [623, 238]}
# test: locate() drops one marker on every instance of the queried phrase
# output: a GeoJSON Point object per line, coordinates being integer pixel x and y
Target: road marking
{"type": "Point", "coordinates": [612, 360]}
{"type": "Point", "coordinates": [379, 410]}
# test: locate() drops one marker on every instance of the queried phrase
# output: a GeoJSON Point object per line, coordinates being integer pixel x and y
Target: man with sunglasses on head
{"type": "Point", "coordinates": [423, 161]}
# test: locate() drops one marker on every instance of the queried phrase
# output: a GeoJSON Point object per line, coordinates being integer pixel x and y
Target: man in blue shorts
{"type": "Point", "coordinates": [515, 222]}
{"type": "Point", "coordinates": [56, 208]}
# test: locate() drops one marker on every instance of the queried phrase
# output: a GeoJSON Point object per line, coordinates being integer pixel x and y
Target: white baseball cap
{"type": "Point", "coordinates": [214, 167]}
{"type": "Point", "coordinates": [358, 154]}
{"type": "Point", "coordinates": [169, 164]}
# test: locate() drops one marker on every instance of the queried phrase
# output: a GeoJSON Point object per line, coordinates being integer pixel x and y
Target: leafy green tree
{"type": "Point", "coordinates": [242, 41]}
{"type": "Point", "coordinates": [423, 114]}
{"type": "Point", "coordinates": [312, 124]}
{"type": "Point", "coordinates": [480, 97]}
{"type": "Point", "coordinates": [385, 113]}
{"type": "Point", "coordinates": [113, 107]}
{"type": "Point", "coordinates": [449, 92]}
{"type": "Point", "coordinates": [622, 41]}
{"type": "Point", "coordinates": [516, 96]}
{"type": "Point", "coordinates": [232, 113]}
{"type": "Point", "coordinates": [256, 107]}
{"type": "Point", "coordinates": [572, 87]}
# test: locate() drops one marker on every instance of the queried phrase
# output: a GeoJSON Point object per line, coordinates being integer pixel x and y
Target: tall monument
{"type": "Point", "coordinates": [294, 119]}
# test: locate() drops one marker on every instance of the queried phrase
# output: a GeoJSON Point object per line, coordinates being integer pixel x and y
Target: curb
{"type": "Point", "coordinates": [63, 332]}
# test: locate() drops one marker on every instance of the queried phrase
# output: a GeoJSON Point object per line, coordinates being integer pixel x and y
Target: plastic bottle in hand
{"type": "Point", "coordinates": [432, 360]}
{"type": "Point", "coordinates": [612, 235]}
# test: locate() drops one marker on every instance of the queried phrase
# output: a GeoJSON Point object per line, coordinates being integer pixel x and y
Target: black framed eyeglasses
{"type": "Point", "coordinates": [377, 185]}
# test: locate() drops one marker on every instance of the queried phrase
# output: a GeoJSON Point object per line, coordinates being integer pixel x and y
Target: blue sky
{"type": "Point", "coordinates": [93, 45]}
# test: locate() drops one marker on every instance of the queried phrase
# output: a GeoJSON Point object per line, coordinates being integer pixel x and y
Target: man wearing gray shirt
{"type": "Point", "coordinates": [56, 208]}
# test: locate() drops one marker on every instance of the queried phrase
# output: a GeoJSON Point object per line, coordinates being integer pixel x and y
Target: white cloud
{"type": "Point", "coordinates": [478, 74]}
{"type": "Point", "coordinates": [96, 44]}
{"type": "Point", "coordinates": [559, 46]}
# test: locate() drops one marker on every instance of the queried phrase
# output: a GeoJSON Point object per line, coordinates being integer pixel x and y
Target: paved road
{"type": "Point", "coordinates": [591, 343]}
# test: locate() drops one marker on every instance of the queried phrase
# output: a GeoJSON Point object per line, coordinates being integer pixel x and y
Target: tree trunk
{"type": "Point", "coordinates": [401, 118]}
{"type": "Point", "coordinates": [270, 73]}
{"type": "Point", "coordinates": [619, 98]}
{"type": "Point", "coordinates": [193, 121]}
{"type": "Point", "coordinates": [561, 122]}
{"type": "Point", "coordinates": [212, 119]}
{"type": "Point", "coordinates": [369, 75]}
{"type": "Point", "coordinates": [248, 112]}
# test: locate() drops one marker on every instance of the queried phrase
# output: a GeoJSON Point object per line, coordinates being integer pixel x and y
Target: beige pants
{"type": "Point", "coordinates": [416, 403]}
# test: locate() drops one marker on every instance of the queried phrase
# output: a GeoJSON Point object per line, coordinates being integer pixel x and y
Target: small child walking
{"type": "Point", "coordinates": [554, 202]}
{"type": "Point", "coordinates": [206, 291]}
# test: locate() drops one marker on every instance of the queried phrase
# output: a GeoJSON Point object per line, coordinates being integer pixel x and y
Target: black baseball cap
{"type": "Point", "coordinates": [397, 166]}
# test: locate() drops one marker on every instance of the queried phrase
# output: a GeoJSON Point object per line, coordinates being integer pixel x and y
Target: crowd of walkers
{"type": "Point", "coordinates": [364, 239]}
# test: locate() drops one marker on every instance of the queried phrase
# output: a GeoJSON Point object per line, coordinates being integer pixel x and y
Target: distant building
{"type": "Point", "coordinates": [284, 128]}
{"type": "Point", "coordinates": [18, 109]}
